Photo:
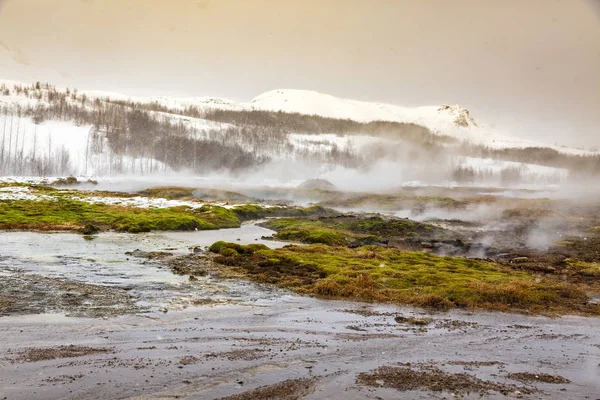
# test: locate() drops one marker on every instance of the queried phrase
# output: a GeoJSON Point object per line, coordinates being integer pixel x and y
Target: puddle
{"type": "Point", "coordinates": [103, 261]}
{"type": "Point", "coordinates": [227, 337]}
{"type": "Point", "coordinates": [246, 234]}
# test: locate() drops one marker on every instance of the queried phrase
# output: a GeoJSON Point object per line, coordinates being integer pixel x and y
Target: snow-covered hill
{"type": "Point", "coordinates": [177, 134]}
{"type": "Point", "coordinates": [452, 120]}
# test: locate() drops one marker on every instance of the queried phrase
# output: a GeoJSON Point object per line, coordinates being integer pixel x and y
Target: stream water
{"type": "Point", "coordinates": [106, 260]}
{"type": "Point", "coordinates": [223, 336]}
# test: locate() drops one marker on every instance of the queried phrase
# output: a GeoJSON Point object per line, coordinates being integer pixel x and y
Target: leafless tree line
{"type": "Point", "coordinates": [15, 159]}
{"type": "Point", "coordinates": [128, 136]}
{"type": "Point", "coordinates": [506, 176]}
{"type": "Point", "coordinates": [283, 123]}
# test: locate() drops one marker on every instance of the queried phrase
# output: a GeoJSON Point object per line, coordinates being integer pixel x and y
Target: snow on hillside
{"type": "Point", "coordinates": [315, 103]}
{"type": "Point", "coordinates": [62, 144]}
{"type": "Point", "coordinates": [452, 120]}
{"type": "Point", "coordinates": [23, 138]}
{"type": "Point", "coordinates": [198, 124]}
{"type": "Point", "coordinates": [85, 152]}
{"type": "Point", "coordinates": [362, 144]}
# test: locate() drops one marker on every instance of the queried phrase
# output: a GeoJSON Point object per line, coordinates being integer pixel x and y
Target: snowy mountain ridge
{"type": "Point", "coordinates": [46, 131]}
{"type": "Point", "coordinates": [451, 120]}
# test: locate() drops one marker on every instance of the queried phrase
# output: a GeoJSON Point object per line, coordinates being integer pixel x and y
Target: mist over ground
{"type": "Point", "coordinates": [536, 80]}
{"type": "Point", "coordinates": [299, 199]}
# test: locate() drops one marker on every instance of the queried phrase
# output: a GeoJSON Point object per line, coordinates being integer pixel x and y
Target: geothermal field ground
{"type": "Point", "coordinates": [296, 246]}
{"type": "Point", "coordinates": [267, 292]}
{"type": "Point", "coordinates": [299, 200]}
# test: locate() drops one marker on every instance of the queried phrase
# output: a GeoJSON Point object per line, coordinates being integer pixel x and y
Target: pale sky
{"type": "Point", "coordinates": [530, 67]}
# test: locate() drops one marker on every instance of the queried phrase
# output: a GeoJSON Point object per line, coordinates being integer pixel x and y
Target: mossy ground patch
{"type": "Point", "coordinates": [374, 273]}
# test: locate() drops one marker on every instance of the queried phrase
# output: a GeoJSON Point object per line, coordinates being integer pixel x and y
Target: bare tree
{"type": "Point", "coordinates": [3, 139]}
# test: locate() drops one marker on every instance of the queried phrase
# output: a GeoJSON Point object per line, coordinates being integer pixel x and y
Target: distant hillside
{"type": "Point", "coordinates": [50, 131]}
{"type": "Point", "coordinates": [448, 120]}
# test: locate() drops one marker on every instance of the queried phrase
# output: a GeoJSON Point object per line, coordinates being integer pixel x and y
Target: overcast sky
{"type": "Point", "coordinates": [531, 67]}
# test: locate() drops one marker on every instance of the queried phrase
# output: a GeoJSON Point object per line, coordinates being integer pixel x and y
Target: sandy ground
{"type": "Point", "coordinates": [211, 338]}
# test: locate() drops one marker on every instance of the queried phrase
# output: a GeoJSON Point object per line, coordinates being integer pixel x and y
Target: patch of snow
{"type": "Point", "coordinates": [23, 139]}
{"type": "Point", "coordinates": [153, 202]}
{"type": "Point", "coordinates": [25, 193]}
{"type": "Point", "coordinates": [139, 202]}
{"type": "Point", "coordinates": [21, 193]}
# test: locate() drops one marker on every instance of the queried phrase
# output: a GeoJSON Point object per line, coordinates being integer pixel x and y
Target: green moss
{"type": "Point", "coordinates": [384, 226]}
{"type": "Point", "coordinates": [339, 230]}
{"type": "Point", "coordinates": [582, 268]}
{"type": "Point", "coordinates": [405, 199]}
{"type": "Point", "coordinates": [323, 236]}
{"type": "Point", "coordinates": [169, 192]}
{"type": "Point", "coordinates": [216, 247]}
{"type": "Point", "coordinates": [219, 216]}
{"type": "Point", "coordinates": [247, 212]}
{"type": "Point", "coordinates": [68, 211]}
{"type": "Point", "coordinates": [229, 252]}
{"type": "Point", "coordinates": [442, 202]}
{"type": "Point", "coordinates": [253, 211]}
{"type": "Point", "coordinates": [89, 229]}
{"type": "Point", "coordinates": [306, 231]}
{"type": "Point", "coordinates": [67, 214]}
{"type": "Point", "coordinates": [382, 274]}
{"type": "Point", "coordinates": [283, 224]}
{"type": "Point", "coordinates": [312, 210]}
{"type": "Point", "coordinates": [595, 229]}
{"type": "Point", "coordinates": [254, 247]}
{"type": "Point", "coordinates": [224, 248]}
{"type": "Point", "coordinates": [232, 217]}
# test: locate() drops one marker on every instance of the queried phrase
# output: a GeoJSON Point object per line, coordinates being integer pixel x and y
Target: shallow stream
{"type": "Point", "coordinates": [217, 337]}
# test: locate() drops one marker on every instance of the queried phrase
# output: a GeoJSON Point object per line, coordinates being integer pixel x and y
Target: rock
{"type": "Point", "coordinates": [192, 278]}
{"type": "Point", "coordinates": [368, 241]}
{"type": "Point", "coordinates": [137, 253]}
{"type": "Point", "coordinates": [318, 184]}
{"type": "Point", "coordinates": [503, 255]}
{"type": "Point", "coordinates": [69, 180]}
{"type": "Point", "coordinates": [413, 320]}
{"type": "Point", "coordinates": [89, 229]}
{"type": "Point", "coordinates": [148, 254]}
{"type": "Point", "coordinates": [461, 116]}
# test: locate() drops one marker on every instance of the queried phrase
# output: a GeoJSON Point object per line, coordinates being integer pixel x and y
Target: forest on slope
{"type": "Point", "coordinates": [123, 136]}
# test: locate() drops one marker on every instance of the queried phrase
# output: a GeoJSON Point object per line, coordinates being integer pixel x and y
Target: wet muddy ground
{"type": "Point", "coordinates": [338, 350]}
{"type": "Point", "coordinates": [91, 320]}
